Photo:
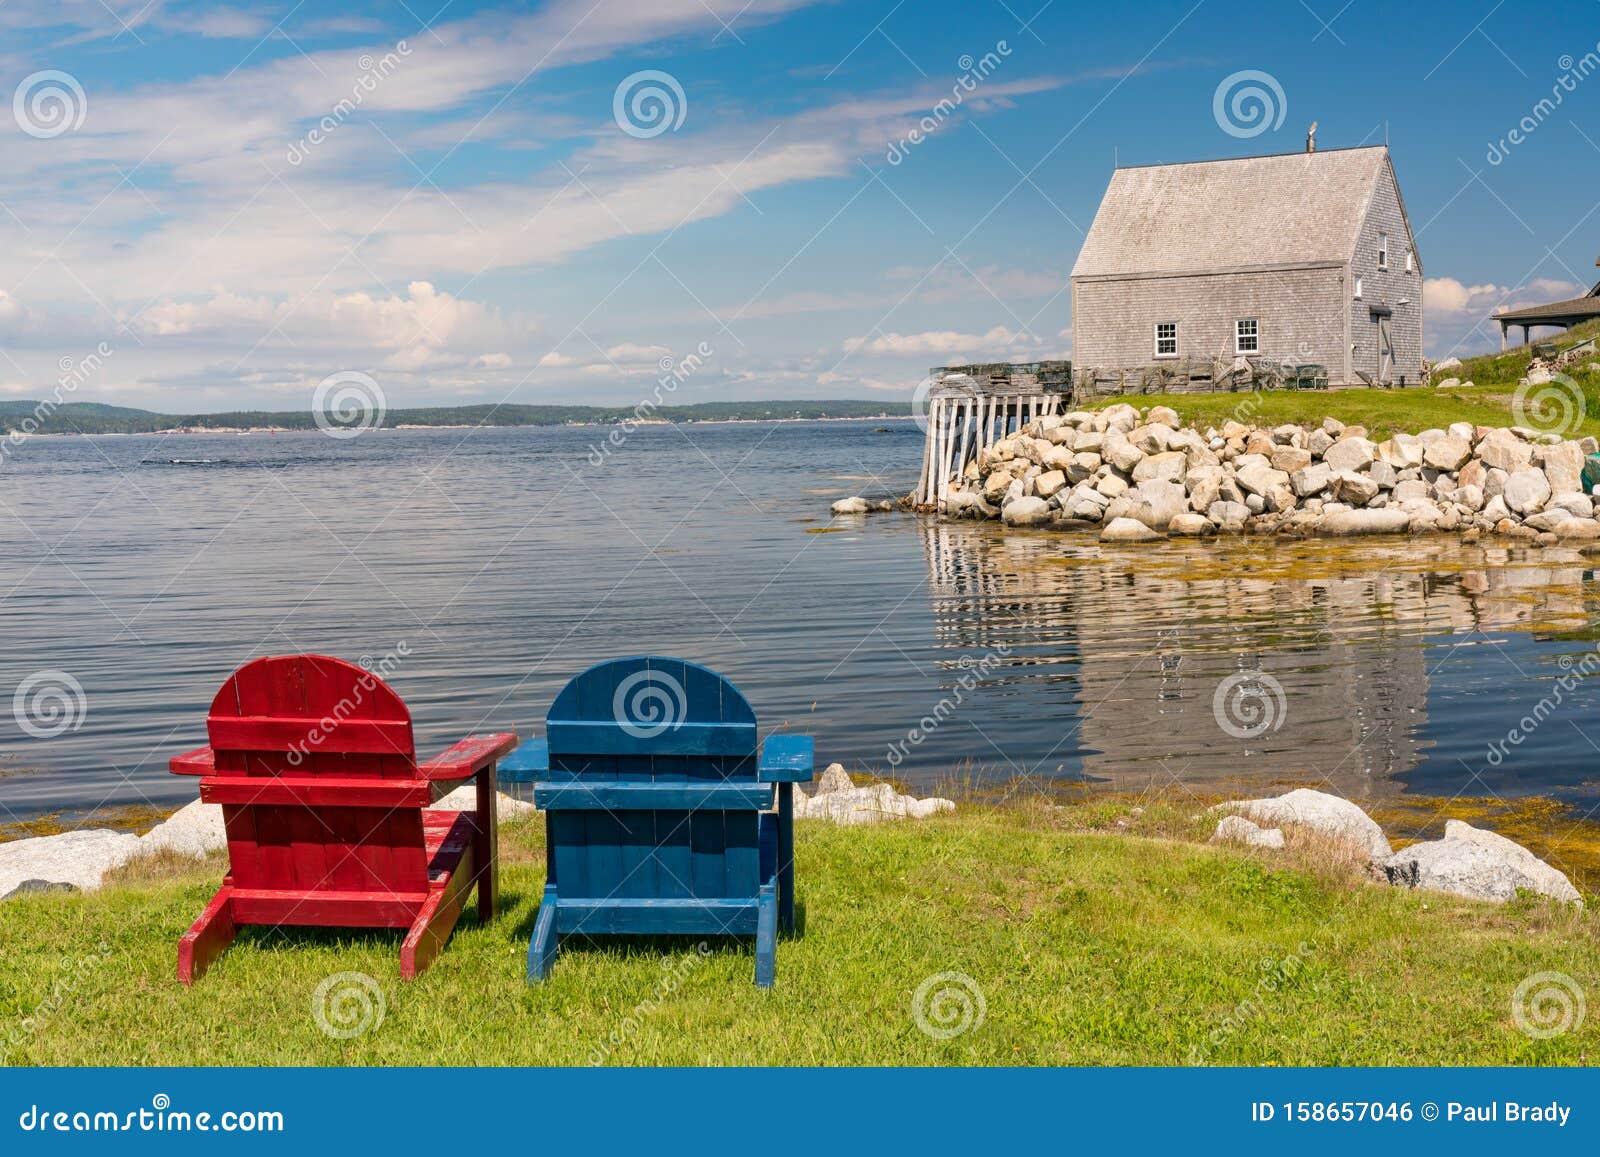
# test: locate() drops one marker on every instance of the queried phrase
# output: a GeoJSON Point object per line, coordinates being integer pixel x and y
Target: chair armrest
{"type": "Point", "coordinates": [468, 757]}
{"type": "Point", "coordinates": [786, 759]}
{"type": "Point", "coordinates": [528, 763]}
{"type": "Point", "coordinates": [200, 761]}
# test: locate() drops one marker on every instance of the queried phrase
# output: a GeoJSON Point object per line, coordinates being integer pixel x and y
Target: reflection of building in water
{"type": "Point", "coordinates": [1300, 662]}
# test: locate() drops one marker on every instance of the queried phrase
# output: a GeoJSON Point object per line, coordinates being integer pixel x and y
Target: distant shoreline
{"type": "Point", "coordinates": [413, 426]}
{"type": "Point", "coordinates": [19, 419]}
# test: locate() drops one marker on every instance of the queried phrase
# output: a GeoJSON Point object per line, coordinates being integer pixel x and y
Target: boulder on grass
{"type": "Point", "coordinates": [1319, 811]}
{"type": "Point", "coordinates": [1238, 830]}
{"type": "Point", "coordinates": [1477, 864]}
{"type": "Point", "coordinates": [78, 858]}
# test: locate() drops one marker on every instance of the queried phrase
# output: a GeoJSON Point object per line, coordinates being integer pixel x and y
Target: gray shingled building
{"type": "Point", "coordinates": [1298, 257]}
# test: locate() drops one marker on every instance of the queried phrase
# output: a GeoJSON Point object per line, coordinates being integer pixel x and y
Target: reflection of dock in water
{"type": "Point", "coordinates": [1323, 664]}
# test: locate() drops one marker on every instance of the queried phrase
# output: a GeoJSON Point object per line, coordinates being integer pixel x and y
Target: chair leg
{"type": "Point", "coordinates": [437, 918]}
{"type": "Point", "coordinates": [487, 846]}
{"type": "Point", "coordinates": [542, 948]}
{"type": "Point", "coordinates": [767, 937]}
{"type": "Point", "coordinates": [207, 937]}
{"type": "Point", "coordinates": [786, 858]}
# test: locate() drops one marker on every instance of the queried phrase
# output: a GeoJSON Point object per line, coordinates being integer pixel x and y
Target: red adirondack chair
{"type": "Point", "coordinates": [327, 811]}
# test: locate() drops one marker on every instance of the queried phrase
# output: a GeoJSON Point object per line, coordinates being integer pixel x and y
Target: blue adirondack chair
{"type": "Point", "coordinates": [658, 806]}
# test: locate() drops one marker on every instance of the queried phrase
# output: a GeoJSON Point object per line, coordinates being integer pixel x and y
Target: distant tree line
{"type": "Point", "coordinates": [97, 418]}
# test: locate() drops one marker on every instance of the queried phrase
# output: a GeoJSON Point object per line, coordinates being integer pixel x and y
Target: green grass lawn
{"type": "Point", "coordinates": [1089, 944]}
{"type": "Point", "coordinates": [1488, 403]}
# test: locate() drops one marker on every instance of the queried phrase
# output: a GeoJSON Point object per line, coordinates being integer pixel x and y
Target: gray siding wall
{"type": "Point", "coordinates": [1302, 314]}
{"type": "Point", "coordinates": [1386, 288]}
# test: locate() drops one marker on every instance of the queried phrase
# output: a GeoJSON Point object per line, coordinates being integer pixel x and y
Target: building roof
{"type": "Point", "coordinates": [1249, 212]}
{"type": "Point", "coordinates": [1559, 312]}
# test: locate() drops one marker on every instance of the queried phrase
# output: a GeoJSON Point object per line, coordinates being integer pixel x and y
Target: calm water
{"type": "Point", "coordinates": [503, 561]}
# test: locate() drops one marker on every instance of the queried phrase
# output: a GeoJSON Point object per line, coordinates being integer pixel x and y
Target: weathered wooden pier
{"type": "Point", "coordinates": [970, 408]}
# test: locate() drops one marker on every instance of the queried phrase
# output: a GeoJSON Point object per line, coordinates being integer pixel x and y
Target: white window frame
{"type": "Point", "coordinates": [1158, 339]}
{"type": "Point", "coordinates": [1383, 250]}
{"type": "Point", "coordinates": [1358, 287]}
{"type": "Point", "coordinates": [1411, 261]}
{"type": "Point", "coordinates": [1254, 336]}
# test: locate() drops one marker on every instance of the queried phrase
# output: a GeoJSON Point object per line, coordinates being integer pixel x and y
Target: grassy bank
{"type": "Point", "coordinates": [1488, 403]}
{"type": "Point", "coordinates": [1095, 935]}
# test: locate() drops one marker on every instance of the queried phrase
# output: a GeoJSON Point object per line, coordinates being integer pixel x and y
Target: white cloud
{"type": "Point", "coordinates": [1446, 295]}
{"type": "Point", "coordinates": [943, 342]}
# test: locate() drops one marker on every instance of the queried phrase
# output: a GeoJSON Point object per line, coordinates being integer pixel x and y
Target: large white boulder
{"type": "Point", "coordinates": [1354, 454]}
{"type": "Point", "coordinates": [1128, 530]}
{"type": "Point", "coordinates": [192, 830]}
{"type": "Point", "coordinates": [1328, 814]}
{"type": "Point", "coordinates": [1238, 830]}
{"type": "Point", "coordinates": [1526, 490]}
{"type": "Point", "coordinates": [77, 858]}
{"type": "Point", "coordinates": [1493, 869]}
{"type": "Point", "coordinates": [871, 804]}
{"type": "Point", "coordinates": [465, 799]}
{"type": "Point", "coordinates": [1025, 512]}
{"type": "Point", "coordinates": [1387, 520]}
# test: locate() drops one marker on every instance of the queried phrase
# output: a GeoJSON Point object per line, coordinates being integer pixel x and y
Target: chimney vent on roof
{"type": "Point", "coordinates": [1311, 141]}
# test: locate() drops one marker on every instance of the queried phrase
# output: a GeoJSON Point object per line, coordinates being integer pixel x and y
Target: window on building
{"type": "Point", "coordinates": [1358, 289]}
{"type": "Point", "coordinates": [1247, 336]}
{"type": "Point", "coordinates": [1411, 261]}
{"type": "Point", "coordinates": [1166, 339]}
{"type": "Point", "coordinates": [1383, 251]}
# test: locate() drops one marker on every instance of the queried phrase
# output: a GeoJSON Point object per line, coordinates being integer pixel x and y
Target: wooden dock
{"type": "Point", "coordinates": [970, 408]}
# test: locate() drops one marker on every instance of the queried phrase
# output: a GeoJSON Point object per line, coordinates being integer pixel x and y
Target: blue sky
{"type": "Point", "coordinates": [461, 200]}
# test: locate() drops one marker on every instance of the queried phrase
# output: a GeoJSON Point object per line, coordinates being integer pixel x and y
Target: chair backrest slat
{"type": "Point", "coordinates": [316, 771]}
{"type": "Point", "coordinates": [652, 790]}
